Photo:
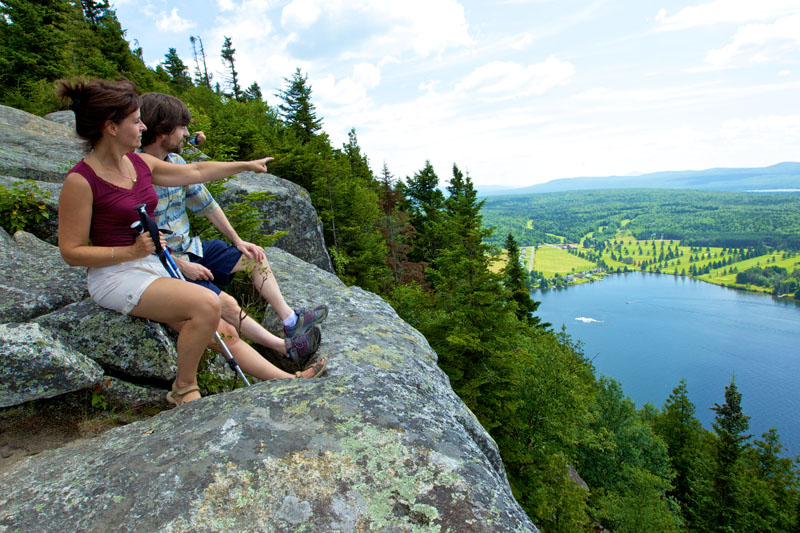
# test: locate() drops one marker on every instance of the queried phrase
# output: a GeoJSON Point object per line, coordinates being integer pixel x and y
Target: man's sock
{"type": "Point", "coordinates": [290, 320]}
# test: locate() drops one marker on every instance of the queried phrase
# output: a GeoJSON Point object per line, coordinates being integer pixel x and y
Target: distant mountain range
{"type": "Point", "coordinates": [780, 177]}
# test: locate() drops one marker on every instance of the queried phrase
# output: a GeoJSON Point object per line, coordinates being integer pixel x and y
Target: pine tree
{"type": "Point", "coordinates": [177, 70]}
{"type": "Point", "coordinates": [397, 231]}
{"type": "Point", "coordinates": [682, 433]}
{"type": "Point", "coordinates": [730, 425]}
{"type": "Point", "coordinates": [424, 202]}
{"type": "Point", "coordinates": [298, 111]}
{"type": "Point", "coordinates": [253, 93]}
{"type": "Point", "coordinates": [93, 11]}
{"type": "Point", "coordinates": [517, 281]}
{"type": "Point", "coordinates": [228, 53]}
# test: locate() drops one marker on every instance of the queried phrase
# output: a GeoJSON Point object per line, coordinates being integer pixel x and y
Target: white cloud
{"type": "Point", "coordinates": [174, 22]}
{"type": "Point", "coordinates": [507, 79]}
{"type": "Point", "coordinates": [300, 14]}
{"type": "Point", "coordinates": [726, 11]}
{"type": "Point", "coordinates": [753, 37]}
{"type": "Point", "coordinates": [367, 74]}
{"type": "Point", "coordinates": [785, 72]}
{"type": "Point", "coordinates": [521, 42]}
{"type": "Point", "coordinates": [423, 27]}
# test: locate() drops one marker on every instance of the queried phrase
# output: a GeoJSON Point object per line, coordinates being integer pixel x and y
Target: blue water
{"type": "Point", "coordinates": [648, 331]}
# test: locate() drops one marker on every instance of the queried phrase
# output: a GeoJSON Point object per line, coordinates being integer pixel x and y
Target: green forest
{"type": "Point", "coordinates": [428, 252]}
{"type": "Point", "coordinates": [696, 218]}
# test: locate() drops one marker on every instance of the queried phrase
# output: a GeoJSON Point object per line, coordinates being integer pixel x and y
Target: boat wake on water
{"type": "Point", "coordinates": [586, 320]}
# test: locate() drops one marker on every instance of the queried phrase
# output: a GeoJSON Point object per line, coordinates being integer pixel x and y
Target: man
{"type": "Point", "coordinates": [213, 263]}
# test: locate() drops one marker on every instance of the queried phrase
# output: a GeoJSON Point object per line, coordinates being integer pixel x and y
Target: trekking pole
{"type": "Point", "coordinates": [148, 224]}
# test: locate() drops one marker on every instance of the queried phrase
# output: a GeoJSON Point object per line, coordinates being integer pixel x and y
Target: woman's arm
{"type": "Point", "coordinates": [174, 175]}
{"type": "Point", "coordinates": [74, 221]}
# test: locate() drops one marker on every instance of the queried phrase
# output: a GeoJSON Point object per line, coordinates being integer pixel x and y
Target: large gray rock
{"type": "Point", "coordinates": [36, 365]}
{"type": "Point", "coordinates": [289, 210]}
{"type": "Point", "coordinates": [62, 117]}
{"type": "Point", "coordinates": [35, 148]}
{"type": "Point", "coordinates": [35, 279]}
{"type": "Point", "coordinates": [123, 344]}
{"type": "Point", "coordinates": [380, 443]}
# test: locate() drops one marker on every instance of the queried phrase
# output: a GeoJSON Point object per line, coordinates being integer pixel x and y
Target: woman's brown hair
{"type": "Point", "coordinates": [97, 101]}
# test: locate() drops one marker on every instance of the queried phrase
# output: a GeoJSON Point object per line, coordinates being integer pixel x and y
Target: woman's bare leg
{"type": "Point", "coordinates": [250, 361]}
{"type": "Point", "coordinates": [248, 358]}
{"type": "Point", "coordinates": [171, 301]}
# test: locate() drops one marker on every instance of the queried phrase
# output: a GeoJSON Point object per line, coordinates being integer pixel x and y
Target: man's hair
{"type": "Point", "coordinates": [162, 113]}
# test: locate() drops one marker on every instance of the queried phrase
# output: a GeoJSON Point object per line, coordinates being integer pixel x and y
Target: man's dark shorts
{"type": "Point", "coordinates": [220, 258]}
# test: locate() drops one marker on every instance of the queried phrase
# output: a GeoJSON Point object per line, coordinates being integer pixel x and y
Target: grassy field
{"type": "Point", "coordinates": [630, 253]}
{"type": "Point", "coordinates": [551, 261]}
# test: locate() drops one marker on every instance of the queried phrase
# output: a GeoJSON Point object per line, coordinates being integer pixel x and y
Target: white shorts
{"type": "Point", "coordinates": [119, 287]}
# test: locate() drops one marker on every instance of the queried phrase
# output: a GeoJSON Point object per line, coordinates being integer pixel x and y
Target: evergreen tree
{"type": "Point", "coordinates": [93, 11]}
{"type": "Point", "coordinates": [397, 231]}
{"type": "Point", "coordinates": [177, 70]}
{"type": "Point", "coordinates": [297, 110]}
{"type": "Point", "coordinates": [228, 53]}
{"type": "Point", "coordinates": [730, 426]}
{"type": "Point", "coordinates": [252, 93]}
{"type": "Point", "coordinates": [33, 45]}
{"type": "Point", "coordinates": [682, 433]}
{"type": "Point", "coordinates": [517, 281]}
{"type": "Point", "coordinates": [424, 202]}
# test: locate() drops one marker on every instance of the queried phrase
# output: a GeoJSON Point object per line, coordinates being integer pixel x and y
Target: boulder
{"type": "Point", "coordinates": [36, 365]}
{"type": "Point", "coordinates": [119, 393]}
{"type": "Point", "coordinates": [36, 280]}
{"type": "Point", "coordinates": [126, 345]}
{"type": "Point", "coordinates": [288, 210]}
{"type": "Point", "coordinates": [380, 442]}
{"type": "Point", "coordinates": [66, 117]}
{"type": "Point", "coordinates": [34, 148]}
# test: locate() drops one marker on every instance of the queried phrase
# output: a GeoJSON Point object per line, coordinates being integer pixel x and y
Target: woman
{"type": "Point", "coordinates": [97, 204]}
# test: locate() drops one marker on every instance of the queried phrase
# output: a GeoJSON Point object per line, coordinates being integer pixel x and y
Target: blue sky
{"type": "Point", "coordinates": [516, 92]}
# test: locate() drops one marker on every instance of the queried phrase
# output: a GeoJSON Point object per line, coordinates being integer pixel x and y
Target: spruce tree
{"type": "Point", "coordinates": [297, 110]}
{"type": "Point", "coordinates": [228, 53]}
{"type": "Point", "coordinates": [177, 70]}
{"type": "Point", "coordinates": [253, 93]}
{"type": "Point", "coordinates": [730, 425]}
{"type": "Point", "coordinates": [397, 231]}
{"type": "Point", "coordinates": [517, 281]}
{"type": "Point", "coordinates": [424, 202]}
{"type": "Point", "coordinates": [682, 433]}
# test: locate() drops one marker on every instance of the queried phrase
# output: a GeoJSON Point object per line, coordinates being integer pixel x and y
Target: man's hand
{"type": "Point", "coordinates": [251, 251]}
{"type": "Point", "coordinates": [194, 271]}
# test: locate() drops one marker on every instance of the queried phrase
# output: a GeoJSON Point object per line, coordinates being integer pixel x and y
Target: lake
{"type": "Point", "coordinates": [649, 330]}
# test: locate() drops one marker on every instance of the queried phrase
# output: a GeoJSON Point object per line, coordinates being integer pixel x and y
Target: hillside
{"type": "Point", "coordinates": [773, 178]}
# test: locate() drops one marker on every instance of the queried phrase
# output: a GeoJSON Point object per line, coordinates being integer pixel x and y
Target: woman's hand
{"type": "Point", "coordinates": [143, 246]}
{"type": "Point", "coordinates": [260, 165]}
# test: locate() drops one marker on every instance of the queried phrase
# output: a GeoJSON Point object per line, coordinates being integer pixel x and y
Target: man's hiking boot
{"type": "Point", "coordinates": [300, 348]}
{"type": "Point", "coordinates": [306, 319]}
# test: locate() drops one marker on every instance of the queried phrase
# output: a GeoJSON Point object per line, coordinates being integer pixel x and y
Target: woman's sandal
{"type": "Point", "coordinates": [175, 396]}
{"type": "Point", "coordinates": [317, 368]}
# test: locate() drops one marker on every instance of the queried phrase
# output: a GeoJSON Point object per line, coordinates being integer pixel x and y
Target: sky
{"type": "Point", "coordinates": [515, 92]}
